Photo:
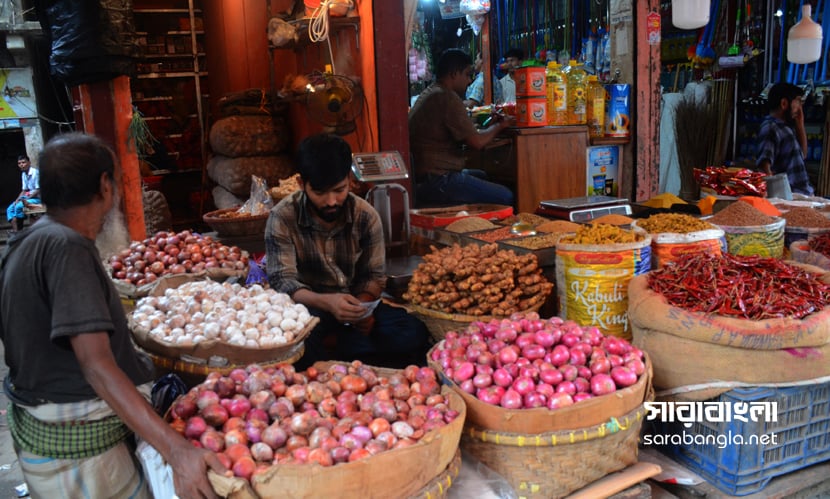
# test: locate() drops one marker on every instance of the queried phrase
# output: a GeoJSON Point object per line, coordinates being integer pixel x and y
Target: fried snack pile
{"type": "Point", "coordinates": [478, 280]}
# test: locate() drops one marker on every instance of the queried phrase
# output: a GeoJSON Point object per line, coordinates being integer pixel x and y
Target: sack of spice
{"type": "Point", "coordinates": [678, 235]}
{"type": "Point", "coordinates": [734, 318]}
{"type": "Point", "coordinates": [749, 231]}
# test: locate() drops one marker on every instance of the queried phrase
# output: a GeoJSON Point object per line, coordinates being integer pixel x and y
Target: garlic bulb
{"type": "Point", "coordinates": [200, 311]}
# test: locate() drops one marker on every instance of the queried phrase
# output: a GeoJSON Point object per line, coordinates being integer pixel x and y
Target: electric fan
{"type": "Point", "coordinates": [335, 101]}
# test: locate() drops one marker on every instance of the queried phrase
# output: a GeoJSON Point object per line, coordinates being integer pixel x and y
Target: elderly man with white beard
{"type": "Point", "coordinates": [77, 385]}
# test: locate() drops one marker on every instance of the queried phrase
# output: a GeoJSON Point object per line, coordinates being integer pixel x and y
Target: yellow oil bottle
{"type": "Point", "coordinates": [595, 107]}
{"type": "Point", "coordinates": [557, 94]}
{"type": "Point", "coordinates": [577, 102]}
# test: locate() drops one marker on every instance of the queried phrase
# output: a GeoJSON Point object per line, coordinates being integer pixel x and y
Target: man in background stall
{"type": "Point", "coordinates": [475, 92]}
{"type": "Point", "coordinates": [512, 61]}
{"type": "Point", "coordinates": [440, 128]}
{"type": "Point", "coordinates": [782, 139]}
{"type": "Point", "coordinates": [325, 249]}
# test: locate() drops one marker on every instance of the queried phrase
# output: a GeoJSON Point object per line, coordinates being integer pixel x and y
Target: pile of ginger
{"type": "Point", "coordinates": [478, 280]}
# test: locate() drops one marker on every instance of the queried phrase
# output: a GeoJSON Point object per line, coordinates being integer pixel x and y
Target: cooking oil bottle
{"type": "Point", "coordinates": [557, 94]}
{"type": "Point", "coordinates": [577, 106]}
{"type": "Point", "coordinates": [595, 107]}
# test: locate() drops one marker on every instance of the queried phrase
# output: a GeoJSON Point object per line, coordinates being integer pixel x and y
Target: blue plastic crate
{"type": "Point", "coordinates": [802, 438]}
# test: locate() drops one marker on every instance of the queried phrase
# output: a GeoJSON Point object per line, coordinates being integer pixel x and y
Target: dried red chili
{"type": "Point", "coordinates": [820, 244]}
{"type": "Point", "coordinates": [750, 287]}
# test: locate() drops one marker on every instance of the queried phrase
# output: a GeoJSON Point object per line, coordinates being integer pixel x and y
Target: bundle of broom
{"type": "Point", "coordinates": [701, 135]}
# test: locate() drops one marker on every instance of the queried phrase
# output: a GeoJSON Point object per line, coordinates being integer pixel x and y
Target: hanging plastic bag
{"type": "Point", "coordinates": [476, 21]}
{"type": "Point", "coordinates": [260, 201]}
{"type": "Point", "coordinates": [473, 7]}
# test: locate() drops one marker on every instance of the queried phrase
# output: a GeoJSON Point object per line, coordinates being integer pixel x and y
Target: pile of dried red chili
{"type": "Point", "coordinates": [820, 244]}
{"type": "Point", "coordinates": [749, 287]}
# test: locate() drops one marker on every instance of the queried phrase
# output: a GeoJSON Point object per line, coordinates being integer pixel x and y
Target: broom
{"type": "Point", "coordinates": [695, 135]}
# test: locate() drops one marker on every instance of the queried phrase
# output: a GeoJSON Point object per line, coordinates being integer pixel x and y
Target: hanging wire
{"type": "Point", "coordinates": [318, 28]}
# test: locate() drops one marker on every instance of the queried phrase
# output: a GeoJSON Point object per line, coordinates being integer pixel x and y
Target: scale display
{"type": "Point", "coordinates": [585, 208]}
{"type": "Point", "coordinates": [379, 166]}
{"type": "Point", "coordinates": [582, 202]}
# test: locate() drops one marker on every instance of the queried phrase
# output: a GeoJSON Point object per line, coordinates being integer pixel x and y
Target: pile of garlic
{"type": "Point", "coordinates": [198, 311]}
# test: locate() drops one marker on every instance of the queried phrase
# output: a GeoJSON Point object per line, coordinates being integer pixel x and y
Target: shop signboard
{"type": "Point", "coordinates": [603, 170]}
{"type": "Point", "coordinates": [17, 101]}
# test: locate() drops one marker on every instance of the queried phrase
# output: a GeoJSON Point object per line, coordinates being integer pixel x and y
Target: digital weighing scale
{"type": "Point", "coordinates": [585, 208]}
{"type": "Point", "coordinates": [381, 169]}
{"type": "Point", "coordinates": [378, 166]}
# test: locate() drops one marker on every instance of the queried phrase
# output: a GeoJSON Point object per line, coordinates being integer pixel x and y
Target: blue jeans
{"type": "Point", "coordinates": [15, 210]}
{"type": "Point", "coordinates": [397, 340]}
{"type": "Point", "coordinates": [464, 187]}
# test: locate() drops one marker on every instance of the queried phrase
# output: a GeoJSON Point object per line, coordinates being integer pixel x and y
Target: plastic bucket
{"type": "Point", "coordinates": [592, 282]}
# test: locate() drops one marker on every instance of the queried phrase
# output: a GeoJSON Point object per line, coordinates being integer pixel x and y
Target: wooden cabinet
{"type": "Point", "coordinates": [169, 90]}
{"type": "Point", "coordinates": [539, 163]}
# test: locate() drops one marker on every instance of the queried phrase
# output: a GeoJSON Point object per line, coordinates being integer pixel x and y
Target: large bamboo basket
{"type": "Point", "coordinates": [439, 323]}
{"type": "Point", "coordinates": [554, 464]}
{"type": "Point", "coordinates": [237, 225]}
{"type": "Point", "coordinates": [551, 453]}
{"type": "Point", "coordinates": [423, 470]}
{"type": "Point", "coordinates": [220, 353]}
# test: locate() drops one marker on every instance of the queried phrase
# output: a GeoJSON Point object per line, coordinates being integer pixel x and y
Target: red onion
{"type": "Point", "coordinates": [511, 399]}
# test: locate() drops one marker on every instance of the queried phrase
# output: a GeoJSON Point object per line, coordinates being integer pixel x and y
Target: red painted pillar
{"type": "Point", "coordinates": [105, 109]}
{"type": "Point", "coordinates": [647, 101]}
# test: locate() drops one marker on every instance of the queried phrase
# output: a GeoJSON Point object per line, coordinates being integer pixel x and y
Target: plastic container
{"type": "Point", "coordinates": [595, 107]}
{"type": "Point", "coordinates": [799, 438]}
{"type": "Point", "coordinates": [557, 94]}
{"type": "Point", "coordinates": [592, 282]}
{"type": "Point", "coordinates": [531, 111]}
{"type": "Point", "coordinates": [577, 89]}
{"type": "Point", "coordinates": [618, 110]}
{"type": "Point", "coordinates": [530, 81]}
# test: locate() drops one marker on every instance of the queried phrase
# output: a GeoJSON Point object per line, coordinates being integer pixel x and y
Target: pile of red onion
{"type": "Point", "coordinates": [173, 253]}
{"type": "Point", "coordinates": [255, 417]}
{"type": "Point", "coordinates": [525, 362]}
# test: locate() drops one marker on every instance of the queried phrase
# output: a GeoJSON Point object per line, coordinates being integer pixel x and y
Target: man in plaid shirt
{"type": "Point", "coordinates": [325, 249]}
{"type": "Point", "coordinates": [782, 139]}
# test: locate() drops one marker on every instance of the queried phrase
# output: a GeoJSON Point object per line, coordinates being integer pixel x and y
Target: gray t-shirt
{"type": "Point", "coordinates": [53, 286]}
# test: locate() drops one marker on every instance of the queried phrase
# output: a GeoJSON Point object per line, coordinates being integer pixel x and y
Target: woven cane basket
{"type": "Point", "coordinates": [439, 323]}
{"type": "Point", "coordinates": [557, 463]}
{"type": "Point", "coordinates": [440, 485]}
{"type": "Point", "coordinates": [235, 226]}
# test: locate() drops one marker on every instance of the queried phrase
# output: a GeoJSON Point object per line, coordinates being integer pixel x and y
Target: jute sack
{"type": "Point", "coordinates": [224, 198]}
{"type": "Point", "coordinates": [682, 362]}
{"type": "Point", "coordinates": [234, 174]}
{"type": "Point", "coordinates": [249, 135]}
{"type": "Point", "coordinates": [649, 311]}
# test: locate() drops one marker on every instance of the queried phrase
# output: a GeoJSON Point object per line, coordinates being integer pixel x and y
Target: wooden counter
{"type": "Point", "coordinates": [538, 163]}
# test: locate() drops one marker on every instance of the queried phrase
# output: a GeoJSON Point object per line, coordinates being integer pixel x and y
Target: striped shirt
{"type": "Point", "coordinates": [778, 144]}
{"type": "Point", "coordinates": [303, 254]}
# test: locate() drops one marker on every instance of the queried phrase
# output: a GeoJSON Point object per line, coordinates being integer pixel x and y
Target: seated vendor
{"type": "Point", "coordinates": [29, 194]}
{"type": "Point", "coordinates": [439, 128]}
{"type": "Point", "coordinates": [325, 249]}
